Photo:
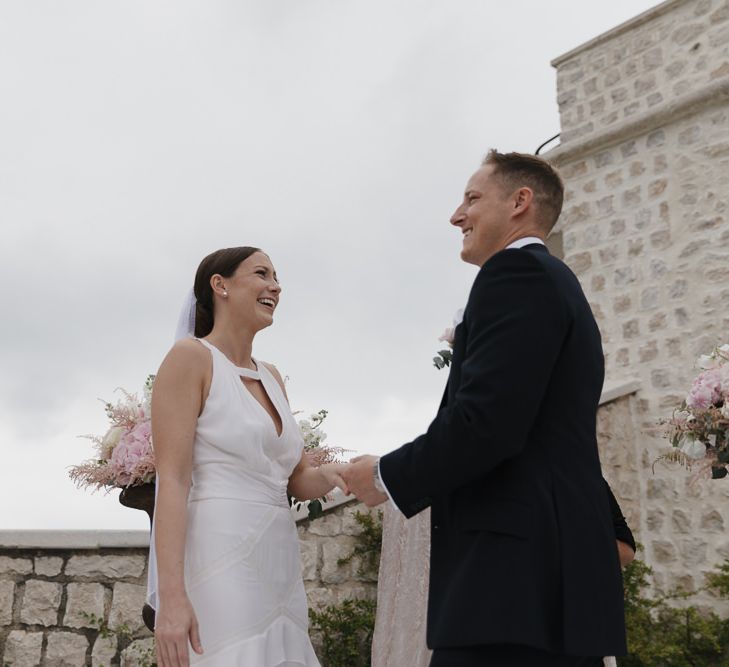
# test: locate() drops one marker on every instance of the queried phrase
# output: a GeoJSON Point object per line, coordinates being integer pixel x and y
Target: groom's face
{"type": "Point", "coordinates": [484, 217]}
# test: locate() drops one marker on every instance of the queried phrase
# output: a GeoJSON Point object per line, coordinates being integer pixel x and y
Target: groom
{"type": "Point", "coordinates": [524, 569]}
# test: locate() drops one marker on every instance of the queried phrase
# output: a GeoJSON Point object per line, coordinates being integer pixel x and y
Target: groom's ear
{"type": "Point", "coordinates": [522, 200]}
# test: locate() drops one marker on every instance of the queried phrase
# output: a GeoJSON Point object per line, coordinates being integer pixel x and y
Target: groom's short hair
{"type": "Point", "coordinates": [516, 170]}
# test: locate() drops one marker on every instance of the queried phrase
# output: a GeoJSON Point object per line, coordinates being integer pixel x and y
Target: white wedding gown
{"type": "Point", "coordinates": [242, 562]}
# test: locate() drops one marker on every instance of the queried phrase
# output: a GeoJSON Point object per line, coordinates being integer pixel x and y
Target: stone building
{"type": "Point", "coordinates": [644, 112]}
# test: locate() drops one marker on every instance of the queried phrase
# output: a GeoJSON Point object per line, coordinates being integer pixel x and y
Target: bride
{"type": "Point", "coordinates": [225, 575]}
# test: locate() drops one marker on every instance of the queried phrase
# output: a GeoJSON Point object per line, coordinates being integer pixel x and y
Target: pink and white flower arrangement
{"type": "Point", "coordinates": [699, 429]}
{"type": "Point", "coordinates": [124, 454]}
{"type": "Point", "coordinates": [448, 336]}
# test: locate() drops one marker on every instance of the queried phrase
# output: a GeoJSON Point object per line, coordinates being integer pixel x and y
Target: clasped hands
{"type": "Point", "coordinates": [357, 477]}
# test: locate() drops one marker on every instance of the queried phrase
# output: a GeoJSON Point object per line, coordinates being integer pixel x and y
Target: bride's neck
{"type": "Point", "coordinates": [237, 346]}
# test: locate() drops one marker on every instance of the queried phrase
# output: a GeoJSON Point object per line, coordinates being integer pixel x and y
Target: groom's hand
{"type": "Point", "coordinates": [360, 480]}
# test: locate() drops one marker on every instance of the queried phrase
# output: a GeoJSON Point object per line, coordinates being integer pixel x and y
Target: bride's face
{"type": "Point", "coordinates": [253, 290]}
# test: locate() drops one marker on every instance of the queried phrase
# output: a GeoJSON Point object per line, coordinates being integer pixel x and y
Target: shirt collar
{"type": "Point", "coordinates": [527, 240]}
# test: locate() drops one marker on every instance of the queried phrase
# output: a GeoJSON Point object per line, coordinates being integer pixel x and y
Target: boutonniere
{"type": "Point", "coordinates": [448, 336]}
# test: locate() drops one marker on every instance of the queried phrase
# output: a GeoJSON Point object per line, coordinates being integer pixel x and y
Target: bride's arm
{"type": "Point", "coordinates": [306, 481]}
{"type": "Point", "coordinates": [177, 398]}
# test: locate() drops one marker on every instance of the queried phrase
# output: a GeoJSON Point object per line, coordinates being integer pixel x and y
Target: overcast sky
{"type": "Point", "coordinates": [138, 136]}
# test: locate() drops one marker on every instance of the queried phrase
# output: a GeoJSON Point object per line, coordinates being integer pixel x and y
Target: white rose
{"type": "Point", "coordinates": [694, 449]}
{"type": "Point", "coordinates": [111, 440]}
{"type": "Point", "coordinates": [724, 348]}
{"type": "Point", "coordinates": [707, 361]}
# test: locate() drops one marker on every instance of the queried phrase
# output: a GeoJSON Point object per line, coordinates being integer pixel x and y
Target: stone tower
{"type": "Point", "coordinates": [644, 112]}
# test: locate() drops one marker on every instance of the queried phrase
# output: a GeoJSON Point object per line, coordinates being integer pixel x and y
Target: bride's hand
{"type": "Point", "coordinates": [332, 472]}
{"type": "Point", "coordinates": [175, 626]}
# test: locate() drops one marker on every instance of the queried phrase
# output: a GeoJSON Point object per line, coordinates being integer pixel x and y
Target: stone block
{"type": "Point", "coordinates": [7, 596]}
{"type": "Point", "coordinates": [619, 95]}
{"type": "Point", "coordinates": [48, 566]}
{"type": "Point", "coordinates": [84, 599]}
{"type": "Point", "coordinates": [104, 651]}
{"type": "Point", "coordinates": [66, 649]}
{"type": "Point", "coordinates": [635, 247]}
{"type": "Point", "coordinates": [40, 602]}
{"type": "Point", "coordinates": [309, 559]}
{"type": "Point", "coordinates": [649, 298]}
{"type": "Point", "coordinates": [654, 520]}
{"type": "Point", "coordinates": [681, 521]}
{"type": "Point", "coordinates": [693, 551]}
{"type": "Point", "coordinates": [15, 565]}
{"type": "Point", "coordinates": [664, 551]}
{"type": "Point", "coordinates": [657, 187]}
{"type": "Point", "coordinates": [661, 489]}
{"type": "Point", "coordinates": [614, 179]}
{"type": "Point", "coordinates": [661, 240]}
{"type": "Point", "coordinates": [111, 566]}
{"type": "Point", "coordinates": [320, 597]}
{"type": "Point", "coordinates": [648, 352]}
{"type": "Point", "coordinates": [681, 315]}
{"type": "Point", "coordinates": [632, 197]}
{"type": "Point", "coordinates": [608, 254]}
{"type": "Point", "coordinates": [126, 606]}
{"type": "Point", "coordinates": [326, 526]}
{"type": "Point", "coordinates": [598, 283]}
{"type": "Point", "coordinates": [626, 275]}
{"type": "Point", "coordinates": [605, 205]}
{"type": "Point", "coordinates": [622, 357]}
{"type": "Point", "coordinates": [713, 522]}
{"type": "Point", "coordinates": [579, 262]}
{"type": "Point", "coordinates": [631, 329]}
{"type": "Point", "coordinates": [660, 164]}
{"type": "Point", "coordinates": [673, 345]}
{"type": "Point", "coordinates": [659, 268]}
{"type": "Point", "coordinates": [139, 652]}
{"type": "Point", "coordinates": [332, 552]}
{"type": "Point", "coordinates": [612, 76]}
{"type": "Point", "coordinates": [653, 59]}
{"type": "Point", "coordinates": [689, 136]}
{"type": "Point", "coordinates": [23, 649]}
{"type": "Point", "coordinates": [621, 303]}
{"type": "Point", "coordinates": [678, 288]}
{"type": "Point", "coordinates": [604, 158]}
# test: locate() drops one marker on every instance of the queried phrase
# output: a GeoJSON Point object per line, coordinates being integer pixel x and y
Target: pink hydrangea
{"type": "Point", "coordinates": [705, 390]}
{"type": "Point", "coordinates": [132, 450]}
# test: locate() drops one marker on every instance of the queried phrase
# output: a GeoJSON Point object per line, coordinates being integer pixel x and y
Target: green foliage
{"type": "Point", "coordinates": [122, 636]}
{"type": "Point", "coordinates": [346, 630]}
{"type": "Point", "coordinates": [443, 359]}
{"type": "Point", "coordinates": [661, 634]}
{"type": "Point", "coordinates": [369, 544]}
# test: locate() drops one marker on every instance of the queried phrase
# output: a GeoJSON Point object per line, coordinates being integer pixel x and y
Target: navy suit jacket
{"type": "Point", "coordinates": [523, 546]}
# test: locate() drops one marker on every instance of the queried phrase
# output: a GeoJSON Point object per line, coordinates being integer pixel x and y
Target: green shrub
{"type": "Point", "coordinates": [346, 630]}
{"type": "Point", "coordinates": [663, 635]}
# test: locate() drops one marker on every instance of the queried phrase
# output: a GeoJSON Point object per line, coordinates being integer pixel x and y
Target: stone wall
{"type": "Point", "coordinates": [56, 588]}
{"type": "Point", "coordinates": [645, 155]}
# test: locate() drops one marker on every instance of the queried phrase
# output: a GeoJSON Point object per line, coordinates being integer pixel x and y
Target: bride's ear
{"type": "Point", "coordinates": [217, 284]}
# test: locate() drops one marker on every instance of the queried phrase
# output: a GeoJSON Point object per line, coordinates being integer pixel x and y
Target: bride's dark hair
{"type": "Point", "coordinates": [224, 262]}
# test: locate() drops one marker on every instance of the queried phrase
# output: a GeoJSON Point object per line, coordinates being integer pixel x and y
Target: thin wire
{"type": "Point", "coordinates": [556, 136]}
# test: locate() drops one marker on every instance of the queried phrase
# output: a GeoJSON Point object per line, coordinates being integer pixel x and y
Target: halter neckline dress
{"type": "Point", "coordinates": [242, 563]}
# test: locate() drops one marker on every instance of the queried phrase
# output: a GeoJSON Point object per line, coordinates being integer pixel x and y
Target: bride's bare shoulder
{"type": "Point", "coordinates": [188, 353]}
